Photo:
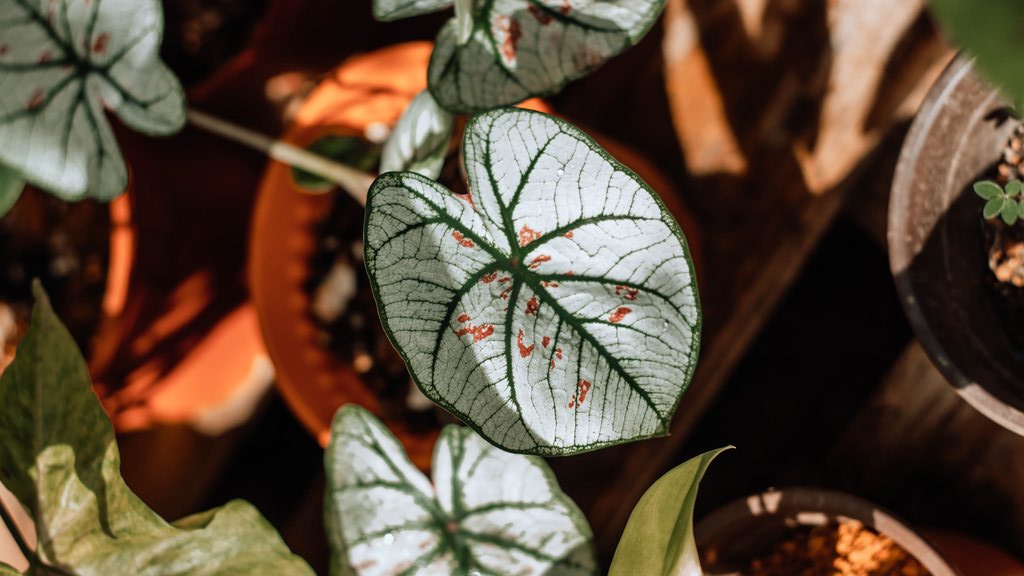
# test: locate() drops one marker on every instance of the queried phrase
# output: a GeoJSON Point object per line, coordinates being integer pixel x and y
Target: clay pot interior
{"type": "Point", "coordinates": [748, 527]}
{"type": "Point", "coordinates": [936, 243]}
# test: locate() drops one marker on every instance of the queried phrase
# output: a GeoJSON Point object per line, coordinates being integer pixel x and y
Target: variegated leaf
{"type": "Point", "coordinates": [487, 512]}
{"type": "Point", "coordinates": [387, 10]}
{"type": "Point", "coordinates": [61, 62]}
{"type": "Point", "coordinates": [523, 48]}
{"type": "Point", "coordinates": [59, 457]}
{"type": "Point", "coordinates": [555, 310]}
{"type": "Point", "coordinates": [419, 142]}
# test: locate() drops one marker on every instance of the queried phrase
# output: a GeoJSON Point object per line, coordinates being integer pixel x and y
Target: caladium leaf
{"type": "Point", "coordinates": [11, 186]}
{"type": "Point", "coordinates": [658, 539]}
{"type": "Point", "coordinates": [388, 10]}
{"type": "Point", "coordinates": [524, 48]}
{"type": "Point", "coordinates": [555, 310]}
{"type": "Point", "coordinates": [419, 142]}
{"type": "Point", "coordinates": [58, 456]}
{"type": "Point", "coordinates": [487, 512]}
{"type": "Point", "coordinates": [61, 61]}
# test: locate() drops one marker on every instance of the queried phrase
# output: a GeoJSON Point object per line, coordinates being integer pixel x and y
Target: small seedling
{"type": "Point", "coordinates": [1006, 202]}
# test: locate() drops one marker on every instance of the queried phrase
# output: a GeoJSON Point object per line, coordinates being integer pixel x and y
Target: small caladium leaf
{"type": "Point", "coordinates": [487, 512]}
{"type": "Point", "coordinates": [58, 456]}
{"type": "Point", "coordinates": [419, 142]}
{"type": "Point", "coordinates": [1014, 188]}
{"type": "Point", "coordinates": [1009, 212]}
{"type": "Point", "coordinates": [987, 189]}
{"type": "Point", "coordinates": [388, 10]}
{"type": "Point", "coordinates": [993, 207]}
{"type": "Point", "coordinates": [11, 186]}
{"type": "Point", "coordinates": [555, 310]}
{"type": "Point", "coordinates": [524, 48]}
{"type": "Point", "coordinates": [658, 539]}
{"type": "Point", "coordinates": [61, 62]}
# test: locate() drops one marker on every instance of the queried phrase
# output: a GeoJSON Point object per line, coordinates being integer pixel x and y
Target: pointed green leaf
{"type": "Point", "coordinates": [524, 48]}
{"type": "Point", "coordinates": [1009, 212]}
{"type": "Point", "coordinates": [487, 512]}
{"type": "Point", "coordinates": [351, 151]}
{"type": "Point", "coordinates": [555, 310]}
{"type": "Point", "coordinates": [987, 189]}
{"type": "Point", "coordinates": [1014, 188]}
{"type": "Point", "coordinates": [61, 63]}
{"type": "Point", "coordinates": [419, 142]}
{"type": "Point", "coordinates": [388, 10]}
{"type": "Point", "coordinates": [59, 457]}
{"type": "Point", "coordinates": [658, 539]}
{"type": "Point", "coordinates": [993, 207]}
{"type": "Point", "coordinates": [11, 186]}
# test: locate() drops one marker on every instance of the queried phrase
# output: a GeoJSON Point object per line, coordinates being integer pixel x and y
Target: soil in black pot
{"type": "Point", "coordinates": [344, 308]}
{"type": "Point", "coordinates": [66, 246]}
{"type": "Point", "coordinates": [846, 548]}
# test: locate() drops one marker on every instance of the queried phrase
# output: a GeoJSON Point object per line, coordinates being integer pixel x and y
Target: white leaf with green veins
{"type": "Point", "coordinates": [61, 63]}
{"type": "Point", "coordinates": [487, 512]}
{"type": "Point", "coordinates": [419, 142]}
{"type": "Point", "coordinates": [555, 310]}
{"type": "Point", "coordinates": [388, 10]}
{"type": "Point", "coordinates": [524, 48]}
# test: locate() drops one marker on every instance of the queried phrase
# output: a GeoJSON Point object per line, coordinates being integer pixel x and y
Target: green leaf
{"type": "Point", "coordinates": [987, 189]}
{"type": "Point", "coordinates": [487, 512]}
{"type": "Point", "coordinates": [351, 151]}
{"type": "Point", "coordinates": [1014, 188]}
{"type": "Point", "coordinates": [11, 186]}
{"type": "Point", "coordinates": [524, 48]}
{"type": "Point", "coordinates": [388, 10]}
{"type": "Point", "coordinates": [554, 311]}
{"type": "Point", "coordinates": [62, 62]}
{"type": "Point", "coordinates": [990, 30]}
{"type": "Point", "coordinates": [1009, 212]}
{"type": "Point", "coordinates": [993, 207]}
{"type": "Point", "coordinates": [6, 570]}
{"type": "Point", "coordinates": [658, 539]}
{"type": "Point", "coordinates": [59, 457]}
{"type": "Point", "coordinates": [419, 142]}
{"type": "Point", "coordinates": [1020, 210]}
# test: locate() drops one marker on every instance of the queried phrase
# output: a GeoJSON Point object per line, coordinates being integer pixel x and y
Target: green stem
{"type": "Point", "coordinates": [12, 527]}
{"type": "Point", "coordinates": [355, 182]}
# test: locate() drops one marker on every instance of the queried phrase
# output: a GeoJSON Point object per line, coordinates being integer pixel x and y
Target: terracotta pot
{"type": "Point", "coordinates": [936, 243]}
{"type": "Point", "coordinates": [745, 528]}
{"type": "Point", "coordinates": [364, 91]}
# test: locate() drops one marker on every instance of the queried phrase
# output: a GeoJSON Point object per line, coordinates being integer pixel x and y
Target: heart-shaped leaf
{"type": "Point", "coordinates": [987, 189]}
{"type": "Point", "coordinates": [487, 512]}
{"type": "Point", "coordinates": [555, 310]}
{"type": "Point", "coordinates": [524, 48]}
{"type": "Point", "coordinates": [61, 61]}
{"type": "Point", "coordinates": [419, 142]}
{"type": "Point", "coordinates": [388, 10]}
{"type": "Point", "coordinates": [11, 186]}
{"type": "Point", "coordinates": [59, 457]}
{"type": "Point", "coordinates": [658, 539]}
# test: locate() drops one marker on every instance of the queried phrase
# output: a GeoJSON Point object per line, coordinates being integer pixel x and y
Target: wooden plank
{"type": "Point", "coordinates": [791, 99]}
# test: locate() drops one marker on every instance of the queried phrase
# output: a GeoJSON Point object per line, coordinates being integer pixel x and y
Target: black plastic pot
{"type": "Point", "coordinates": [937, 249]}
{"type": "Point", "coordinates": [748, 527]}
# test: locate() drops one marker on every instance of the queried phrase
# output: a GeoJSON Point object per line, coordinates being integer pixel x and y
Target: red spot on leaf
{"type": "Point", "coordinates": [3, 49]}
{"type": "Point", "coordinates": [504, 293]}
{"type": "Point", "coordinates": [570, 273]}
{"type": "Point", "coordinates": [99, 46]}
{"type": "Point", "coordinates": [509, 27]}
{"type": "Point", "coordinates": [626, 292]}
{"type": "Point", "coordinates": [478, 332]}
{"type": "Point", "coordinates": [546, 341]}
{"type": "Point", "coordinates": [504, 279]}
{"type": "Point", "coordinates": [45, 57]}
{"type": "Point", "coordinates": [543, 17]}
{"type": "Point", "coordinates": [582, 388]}
{"type": "Point", "coordinates": [568, 234]}
{"type": "Point", "coordinates": [532, 307]}
{"type": "Point", "coordinates": [462, 240]}
{"type": "Point", "coordinates": [566, 7]}
{"type": "Point", "coordinates": [524, 350]}
{"type": "Point", "coordinates": [527, 235]}
{"type": "Point", "coordinates": [548, 284]}
{"type": "Point", "coordinates": [558, 353]}
{"type": "Point", "coordinates": [619, 314]}
{"type": "Point", "coordinates": [36, 100]}
{"type": "Point", "coordinates": [463, 318]}
{"type": "Point", "coordinates": [489, 277]}
{"type": "Point", "coordinates": [540, 259]}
